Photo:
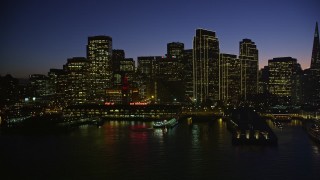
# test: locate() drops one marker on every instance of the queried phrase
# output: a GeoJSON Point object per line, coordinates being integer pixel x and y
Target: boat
{"type": "Point", "coordinates": [314, 132]}
{"type": "Point", "coordinates": [160, 124]}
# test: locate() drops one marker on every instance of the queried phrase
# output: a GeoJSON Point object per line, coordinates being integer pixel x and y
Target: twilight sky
{"type": "Point", "coordinates": [37, 35]}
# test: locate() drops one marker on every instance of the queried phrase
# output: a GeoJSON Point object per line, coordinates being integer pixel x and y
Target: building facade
{"type": "Point", "coordinates": [249, 59]}
{"type": "Point", "coordinates": [314, 73]}
{"type": "Point", "coordinates": [230, 79]}
{"type": "Point", "coordinates": [76, 85]}
{"type": "Point", "coordinates": [205, 66]}
{"type": "Point", "coordinates": [282, 71]}
{"type": "Point", "coordinates": [175, 50]}
{"type": "Point", "coordinates": [99, 54]}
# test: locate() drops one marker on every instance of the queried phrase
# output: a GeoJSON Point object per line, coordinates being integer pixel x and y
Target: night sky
{"type": "Point", "coordinates": [37, 35]}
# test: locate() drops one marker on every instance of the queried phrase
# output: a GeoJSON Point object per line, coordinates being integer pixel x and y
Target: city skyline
{"type": "Point", "coordinates": [39, 36]}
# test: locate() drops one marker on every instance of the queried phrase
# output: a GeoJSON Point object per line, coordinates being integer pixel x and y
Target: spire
{"type": "Point", "coordinates": [315, 58]}
{"type": "Point", "coordinates": [316, 31]}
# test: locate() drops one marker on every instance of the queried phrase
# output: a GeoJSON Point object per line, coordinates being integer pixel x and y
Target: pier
{"type": "Point", "coordinates": [248, 128]}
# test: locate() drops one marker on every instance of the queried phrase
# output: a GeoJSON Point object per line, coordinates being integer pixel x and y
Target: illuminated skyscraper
{"type": "Point", "coordinates": [57, 86]}
{"type": "Point", "coordinates": [99, 54]}
{"type": "Point", "coordinates": [315, 58]}
{"type": "Point", "coordinates": [205, 66]}
{"type": "Point", "coordinates": [282, 72]}
{"type": "Point", "coordinates": [230, 78]}
{"type": "Point", "coordinates": [76, 87]}
{"type": "Point", "coordinates": [249, 68]}
{"type": "Point", "coordinates": [313, 87]}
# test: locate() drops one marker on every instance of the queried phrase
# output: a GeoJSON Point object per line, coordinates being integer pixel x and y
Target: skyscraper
{"type": "Point", "coordinates": [249, 68]}
{"type": "Point", "coordinates": [229, 78]}
{"type": "Point", "coordinates": [99, 54]}
{"type": "Point", "coordinates": [205, 66]}
{"type": "Point", "coordinates": [281, 78]}
{"type": "Point", "coordinates": [76, 89]}
{"type": "Point", "coordinates": [187, 73]}
{"type": "Point", "coordinates": [147, 71]}
{"type": "Point", "coordinates": [315, 58]}
{"type": "Point", "coordinates": [117, 56]}
{"type": "Point", "coordinates": [313, 85]}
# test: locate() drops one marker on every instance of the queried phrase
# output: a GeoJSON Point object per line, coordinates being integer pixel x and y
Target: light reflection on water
{"type": "Point", "coordinates": [131, 150]}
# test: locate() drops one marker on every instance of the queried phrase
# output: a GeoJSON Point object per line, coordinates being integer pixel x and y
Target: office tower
{"type": "Point", "coordinates": [281, 74]}
{"type": "Point", "coordinates": [315, 58]}
{"type": "Point", "coordinates": [263, 80]}
{"type": "Point", "coordinates": [175, 50]}
{"type": "Point", "coordinates": [249, 68]}
{"type": "Point", "coordinates": [57, 87]}
{"type": "Point", "coordinates": [169, 69]}
{"type": "Point", "coordinates": [205, 66]}
{"type": "Point", "coordinates": [169, 80]}
{"type": "Point", "coordinates": [117, 56]}
{"type": "Point", "coordinates": [147, 71]}
{"type": "Point", "coordinates": [54, 77]}
{"type": "Point", "coordinates": [99, 54]}
{"type": "Point", "coordinates": [127, 66]}
{"type": "Point", "coordinates": [187, 73]}
{"type": "Point", "coordinates": [9, 91]}
{"type": "Point", "coordinates": [121, 90]}
{"type": "Point", "coordinates": [147, 65]}
{"type": "Point", "coordinates": [297, 97]}
{"type": "Point", "coordinates": [76, 87]}
{"type": "Point", "coordinates": [230, 79]}
{"type": "Point", "coordinates": [39, 85]}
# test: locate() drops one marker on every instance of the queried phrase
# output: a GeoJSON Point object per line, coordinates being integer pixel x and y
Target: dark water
{"type": "Point", "coordinates": [123, 150]}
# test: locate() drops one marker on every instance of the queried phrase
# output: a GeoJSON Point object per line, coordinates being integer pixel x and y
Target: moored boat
{"type": "Point", "coordinates": [160, 124]}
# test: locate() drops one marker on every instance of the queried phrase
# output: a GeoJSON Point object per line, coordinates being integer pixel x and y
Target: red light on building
{"type": "Point", "coordinates": [108, 103]}
{"type": "Point", "coordinates": [138, 104]}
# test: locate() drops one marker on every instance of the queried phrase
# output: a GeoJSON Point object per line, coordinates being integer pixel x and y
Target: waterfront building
{"type": "Point", "coordinates": [249, 59]}
{"type": "Point", "coordinates": [133, 110]}
{"type": "Point", "coordinates": [99, 54]}
{"type": "Point", "coordinates": [205, 66]}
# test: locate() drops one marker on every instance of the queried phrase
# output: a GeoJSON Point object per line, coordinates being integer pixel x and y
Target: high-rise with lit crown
{"type": "Point", "coordinates": [99, 54]}
{"type": "Point", "coordinates": [205, 66]}
{"type": "Point", "coordinates": [249, 61]}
